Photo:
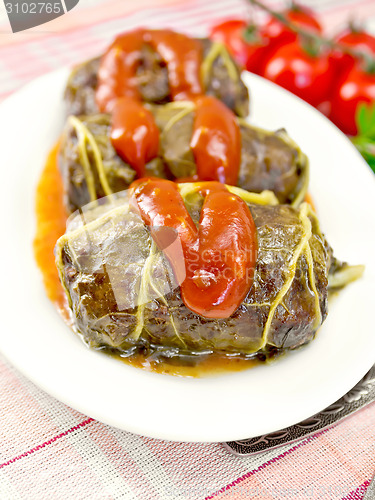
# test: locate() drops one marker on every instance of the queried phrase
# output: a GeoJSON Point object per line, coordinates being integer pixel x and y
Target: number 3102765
{"type": "Point", "coordinates": [33, 8]}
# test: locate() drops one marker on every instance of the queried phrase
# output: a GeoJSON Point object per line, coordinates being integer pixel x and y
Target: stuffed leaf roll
{"type": "Point", "coordinates": [91, 168]}
{"type": "Point", "coordinates": [218, 73]}
{"type": "Point", "coordinates": [124, 295]}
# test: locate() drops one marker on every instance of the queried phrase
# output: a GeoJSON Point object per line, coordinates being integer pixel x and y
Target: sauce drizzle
{"type": "Point", "coordinates": [183, 57]}
{"type": "Point", "coordinates": [134, 133]}
{"type": "Point", "coordinates": [216, 139]}
{"type": "Point", "coordinates": [219, 258]}
{"type": "Point", "coordinates": [118, 67]}
{"type": "Point", "coordinates": [216, 142]}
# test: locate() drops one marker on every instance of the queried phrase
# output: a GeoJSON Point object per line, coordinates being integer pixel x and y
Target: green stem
{"type": "Point", "coordinates": [317, 39]}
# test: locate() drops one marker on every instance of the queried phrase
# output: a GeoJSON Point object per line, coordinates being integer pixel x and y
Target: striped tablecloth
{"type": "Point", "coordinates": [50, 451]}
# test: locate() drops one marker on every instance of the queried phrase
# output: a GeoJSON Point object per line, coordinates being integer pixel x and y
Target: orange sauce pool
{"type": "Point", "coordinates": [51, 219]}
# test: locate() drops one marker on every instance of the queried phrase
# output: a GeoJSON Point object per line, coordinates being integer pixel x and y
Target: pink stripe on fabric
{"type": "Point", "coordinates": [269, 462]}
{"type": "Point", "coordinates": [330, 466]}
{"type": "Point", "coordinates": [27, 414]}
{"type": "Point", "coordinates": [46, 443]}
{"type": "Point", "coordinates": [359, 493]}
{"type": "Point", "coordinates": [121, 459]}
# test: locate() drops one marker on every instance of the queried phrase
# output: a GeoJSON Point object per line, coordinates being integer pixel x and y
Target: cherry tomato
{"type": "Point", "coordinates": [355, 38]}
{"type": "Point", "coordinates": [254, 52]}
{"type": "Point", "coordinates": [307, 76]}
{"type": "Point", "coordinates": [232, 34]}
{"type": "Point", "coordinates": [278, 34]}
{"type": "Point", "coordinates": [358, 86]}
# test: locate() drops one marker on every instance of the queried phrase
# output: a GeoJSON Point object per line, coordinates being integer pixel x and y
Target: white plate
{"type": "Point", "coordinates": [227, 407]}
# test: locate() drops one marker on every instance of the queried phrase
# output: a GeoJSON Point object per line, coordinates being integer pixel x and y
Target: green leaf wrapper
{"type": "Point", "coordinates": [91, 168]}
{"type": "Point", "coordinates": [124, 296]}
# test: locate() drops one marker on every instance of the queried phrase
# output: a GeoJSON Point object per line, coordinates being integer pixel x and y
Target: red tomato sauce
{"type": "Point", "coordinates": [216, 142]}
{"type": "Point", "coordinates": [134, 133]}
{"type": "Point", "coordinates": [219, 258]}
{"type": "Point", "coordinates": [216, 139]}
{"type": "Point", "coordinates": [117, 72]}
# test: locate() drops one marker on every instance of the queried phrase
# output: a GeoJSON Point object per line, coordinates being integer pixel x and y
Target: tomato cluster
{"type": "Point", "coordinates": [331, 80]}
